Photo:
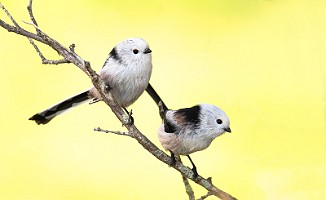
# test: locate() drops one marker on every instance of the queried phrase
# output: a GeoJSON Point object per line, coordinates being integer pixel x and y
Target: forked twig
{"type": "Point", "coordinates": [31, 16]}
{"type": "Point", "coordinates": [115, 132]}
{"type": "Point", "coordinates": [44, 60]}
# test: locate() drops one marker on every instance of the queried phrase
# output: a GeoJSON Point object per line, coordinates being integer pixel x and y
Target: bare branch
{"type": "Point", "coordinates": [31, 16]}
{"type": "Point", "coordinates": [44, 35]}
{"type": "Point", "coordinates": [115, 132]}
{"type": "Point", "coordinates": [66, 53]}
{"type": "Point", "coordinates": [41, 33]}
{"type": "Point", "coordinates": [9, 15]}
{"type": "Point", "coordinates": [20, 31]}
{"type": "Point", "coordinates": [69, 55]}
{"type": "Point", "coordinates": [44, 60]}
{"type": "Point", "coordinates": [188, 187]}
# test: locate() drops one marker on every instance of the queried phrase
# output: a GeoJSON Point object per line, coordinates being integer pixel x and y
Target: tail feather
{"type": "Point", "coordinates": [150, 90]}
{"type": "Point", "coordinates": [48, 114]}
{"type": "Point", "coordinates": [161, 105]}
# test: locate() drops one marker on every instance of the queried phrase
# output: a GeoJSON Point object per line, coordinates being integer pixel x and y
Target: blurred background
{"type": "Point", "coordinates": [261, 61]}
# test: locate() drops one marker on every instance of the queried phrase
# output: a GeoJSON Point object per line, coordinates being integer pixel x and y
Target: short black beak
{"type": "Point", "coordinates": [147, 50]}
{"type": "Point", "coordinates": [227, 129]}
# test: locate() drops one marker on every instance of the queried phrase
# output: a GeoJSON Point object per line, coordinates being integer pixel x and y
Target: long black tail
{"type": "Point", "coordinates": [162, 107]}
{"type": "Point", "coordinates": [48, 114]}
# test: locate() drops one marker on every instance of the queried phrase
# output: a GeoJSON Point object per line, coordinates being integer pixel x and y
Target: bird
{"type": "Point", "coordinates": [126, 74]}
{"type": "Point", "coordinates": [188, 130]}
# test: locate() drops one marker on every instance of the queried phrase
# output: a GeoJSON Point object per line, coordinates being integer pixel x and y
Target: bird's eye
{"type": "Point", "coordinates": [219, 121]}
{"type": "Point", "coordinates": [135, 51]}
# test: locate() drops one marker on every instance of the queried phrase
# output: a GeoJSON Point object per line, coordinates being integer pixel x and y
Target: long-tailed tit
{"type": "Point", "coordinates": [188, 130]}
{"type": "Point", "coordinates": [126, 73]}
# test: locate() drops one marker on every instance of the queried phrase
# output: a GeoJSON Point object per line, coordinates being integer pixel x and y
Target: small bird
{"type": "Point", "coordinates": [126, 73]}
{"type": "Point", "coordinates": [188, 130]}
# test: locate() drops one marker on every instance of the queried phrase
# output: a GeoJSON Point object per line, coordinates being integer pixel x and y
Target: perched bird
{"type": "Point", "coordinates": [126, 73]}
{"type": "Point", "coordinates": [188, 130]}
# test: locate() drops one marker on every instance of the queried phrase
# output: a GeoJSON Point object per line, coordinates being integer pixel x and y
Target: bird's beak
{"type": "Point", "coordinates": [147, 50]}
{"type": "Point", "coordinates": [227, 129]}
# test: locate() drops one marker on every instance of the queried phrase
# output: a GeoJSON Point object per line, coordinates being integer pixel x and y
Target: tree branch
{"type": "Point", "coordinates": [44, 60]}
{"type": "Point", "coordinates": [70, 56]}
{"type": "Point", "coordinates": [9, 15]}
{"type": "Point", "coordinates": [188, 187]}
{"type": "Point", "coordinates": [31, 16]}
{"type": "Point", "coordinates": [115, 132]}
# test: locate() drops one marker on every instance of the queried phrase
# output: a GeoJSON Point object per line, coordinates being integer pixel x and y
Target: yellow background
{"type": "Point", "coordinates": [262, 61]}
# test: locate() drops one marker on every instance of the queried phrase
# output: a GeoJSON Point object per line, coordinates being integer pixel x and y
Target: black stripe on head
{"type": "Point", "coordinates": [190, 115]}
{"type": "Point", "coordinates": [114, 55]}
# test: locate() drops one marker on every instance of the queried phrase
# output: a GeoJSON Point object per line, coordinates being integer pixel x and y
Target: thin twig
{"type": "Point", "coordinates": [205, 196]}
{"type": "Point", "coordinates": [17, 29]}
{"type": "Point", "coordinates": [9, 15]}
{"type": "Point", "coordinates": [37, 49]}
{"type": "Point", "coordinates": [189, 190]}
{"type": "Point", "coordinates": [32, 24]}
{"type": "Point", "coordinates": [55, 62]}
{"type": "Point", "coordinates": [44, 60]}
{"type": "Point", "coordinates": [41, 33]}
{"type": "Point", "coordinates": [67, 54]}
{"type": "Point", "coordinates": [31, 16]}
{"type": "Point", "coordinates": [188, 187]}
{"type": "Point", "coordinates": [115, 132]}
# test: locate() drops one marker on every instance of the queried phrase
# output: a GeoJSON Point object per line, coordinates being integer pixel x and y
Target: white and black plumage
{"type": "Point", "coordinates": [126, 73]}
{"type": "Point", "coordinates": [188, 130]}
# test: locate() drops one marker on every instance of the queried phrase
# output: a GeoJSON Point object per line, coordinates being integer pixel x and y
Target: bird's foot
{"type": "Point", "coordinates": [194, 169]}
{"type": "Point", "coordinates": [173, 160]}
{"type": "Point", "coordinates": [129, 119]}
{"type": "Point", "coordinates": [195, 173]}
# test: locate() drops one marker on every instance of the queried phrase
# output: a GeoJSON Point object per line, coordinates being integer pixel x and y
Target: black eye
{"type": "Point", "coordinates": [135, 51]}
{"type": "Point", "coordinates": [219, 121]}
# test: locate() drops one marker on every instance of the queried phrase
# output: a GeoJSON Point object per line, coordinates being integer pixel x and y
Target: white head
{"type": "Point", "coordinates": [214, 119]}
{"type": "Point", "coordinates": [132, 51]}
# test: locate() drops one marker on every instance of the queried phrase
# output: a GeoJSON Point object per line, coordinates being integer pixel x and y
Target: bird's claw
{"type": "Point", "coordinates": [129, 120]}
{"type": "Point", "coordinates": [173, 160]}
{"type": "Point", "coordinates": [195, 173]}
